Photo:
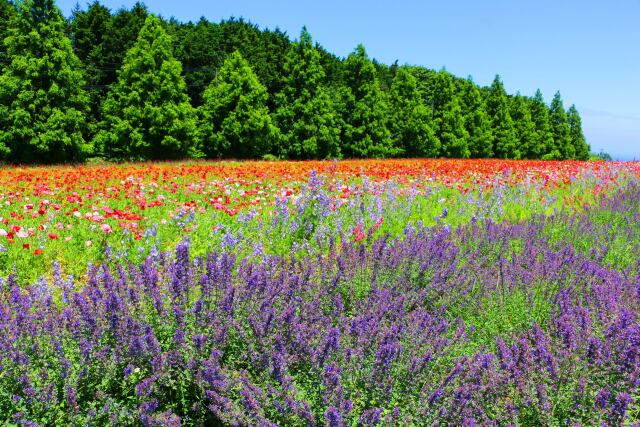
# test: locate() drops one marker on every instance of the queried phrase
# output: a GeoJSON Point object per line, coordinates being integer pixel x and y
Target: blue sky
{"type": "Point", "coordinates": [587, 49]}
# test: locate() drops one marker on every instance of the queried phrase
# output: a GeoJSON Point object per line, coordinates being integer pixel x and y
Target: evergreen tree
{"type": "Point", "coordinates": [331, 64]}
{"type": "Point", "coordinates": [42, 103]}
{"type": "Point", "coordinates": [411, 126]}
{"type": "Point", "coordinates": [576, 136]}
{"type": "Point", "coordinates": [304, 113]}
{"type": "Point", "coordinates": [121, 35]}
{"type": "Point", "coordinates": [560, 129]}
{"type": "Point", "coordinates": [235, 120]}
{"type": "Point", "coordinates": [365, 132]}
{"type": "Point", "coordinates": [198, 48]}
{"type": "Point", "coordinates": [7, 13]}
{"type": "Point", "coordinates": [264, 51]}
{"type": "Point", "coordinates": [525, 129]}
{"type": "Point", "coordinates": [476, 121]}
{"type": "Point", "coordinates": [505, 141]}
{"type": "Point", "coordinates": [424, 79]}
{"type": "Point", "coordinates": [542, 147]}
{"type": "Point", "coordinates": [448, 118]}
{"type": "Point", "coordinates": [88, 30]}
{"type": "Point", "coordinates": [147, 114]}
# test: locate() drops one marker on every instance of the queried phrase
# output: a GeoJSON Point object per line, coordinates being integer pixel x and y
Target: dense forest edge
{"type": "Point", "coordinates": [130, 85]}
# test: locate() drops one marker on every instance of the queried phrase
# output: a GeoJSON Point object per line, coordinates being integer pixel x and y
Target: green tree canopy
{"type": "Point", "coordinates": [448, 118]}
{"type": "Point", "coordinates": [235, 120]}
{"type": "Point", "coordinates": [505, 140]}
{"type": "Point", "coordinates": [524, 127]}
{"type": "Point", "coordinates": [42, 104]}
{"type": "Point", "coordinates": [147, 114]}
{"type": "Point", "coordinates": [7, 13]}
{"type": "Point", "coordinates": [88, 30]}
{"type": "Point", "coordinates": [198, 48]}
{"type": "Point", "coordinates": [411, 125]}
{"type": "Point", "coordinates": [121, 35]}
{"type": "Point", "coordinates": [365, 132]}
{"type": "Point", "coordinates": [543, 137]}
{"type": "Point", "coordinates": [576, 136]}
{"type": "Point", "coordinates": [476, 120]}
{"type": "Point", "coordinates": [560, 129]}
{"type": "Point", "coordinates": [304, 113]}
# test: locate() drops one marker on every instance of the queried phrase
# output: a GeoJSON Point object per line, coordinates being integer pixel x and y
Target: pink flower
{"type": "Point", "coordinates": [358, 233]}
{"type": "Point", "coordinates": [378, 223]}
{"type": "Point", "coordinates": [106, 228]}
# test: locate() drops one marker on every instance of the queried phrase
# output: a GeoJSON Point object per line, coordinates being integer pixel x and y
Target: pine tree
{"type": "Point", "coordinates": [424, 78]}
{"type": "Point", "coordinates": [411, 125]}
{"type": "Point", "coordinates": [88, 30]}
{"type": "Point", "coordinates": [305, 114]}
{"type": "Point", "coordinates": [198, 49]}
{"type": "Point", "coordinates": [560, 129]}
{"type": "Point", "coordinates": [42, 103]}
{"type": "Point", "coordinates": [365, 132]}
{"type": "Point", "coordinates": [147, 114]}
{"type": "Point", "coordinates": [543, 137]}
{"type": "Point", "coordinates": [121, 35]}
{"type": "Point", "coordinates": [505, 141]}
{"type": "Point", "coordinates": [525, 129]}
{"type": "Point", "coordinates": [576, 136]}
{"type": "Point", "coordinates": [448, 118]}
{"type": "Point", "coordinates": [235, 120]}
{"type": "Point", "coordinates": [476, 121]}
{"type": "Point", "coordinates": [7, 13]}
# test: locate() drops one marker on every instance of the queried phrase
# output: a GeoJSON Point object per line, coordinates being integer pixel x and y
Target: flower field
{"type": "Point", "coordinates": [391, 292]}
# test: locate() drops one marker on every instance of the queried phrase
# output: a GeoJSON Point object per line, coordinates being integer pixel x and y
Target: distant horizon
{"type": "Point", "coordinates": [571, 47]}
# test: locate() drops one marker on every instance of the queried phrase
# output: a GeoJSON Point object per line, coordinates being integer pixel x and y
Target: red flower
{"type": "Point", "coordinates": [358, 233]}
{"type": "Point", "coordinates": [37, 252]}
{"type": "Point", "coordinates": [53, 236]}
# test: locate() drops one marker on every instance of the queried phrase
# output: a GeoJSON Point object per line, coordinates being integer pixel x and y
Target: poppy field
{"type": "Point", "coordinates": [370, 292]}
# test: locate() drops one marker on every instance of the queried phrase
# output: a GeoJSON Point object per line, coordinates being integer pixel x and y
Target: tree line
{"type": "Point", "coordinates": [129, 85]}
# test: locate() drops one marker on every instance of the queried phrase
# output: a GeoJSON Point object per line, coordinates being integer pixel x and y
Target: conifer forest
{"type": "Point", "coordinates": [218, 224]}
{"type": "Point", "coordinates": [128, 85]}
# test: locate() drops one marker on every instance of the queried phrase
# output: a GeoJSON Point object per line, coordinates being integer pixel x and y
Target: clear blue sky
{"type": "Point", "coordinates": [587, 49]}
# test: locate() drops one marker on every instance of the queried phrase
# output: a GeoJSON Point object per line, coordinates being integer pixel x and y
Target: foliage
{"type": "Point", "coordinates": [305, 113]}
{"type": "Point", "coordinates": [411, 124]}
{"type": "Point", "coordinates": [505, 140]}
{"type": "Point", "coordinates": [476, 121]}
{"type": "Point", "coordinates": [235, 120]}
{"type": "Point", "coordinates": [543, 146]}
{"type": "Point", "coordinates": [7, 13]}
{"type": "Point", "coordinates": [560, 129]}
{"type": "Point", "coordinates": [327, 107]}
{"type": "Point", "coordinates": [525, 128]}
{"type": "Point", "coordinates": [364, 110]}
{"type": "Point", "coordinates": [147, 114]}
{"type": "Point", "coordinates": [601, 156]}
{"type": "Point", "coordinates": [88, 30]}
{"type": "Point", "coordinates": [42, 104]}
{"type": "Point", "coordinates": [448, 118]}
{"type": "Point", "coordinates": [576, 136]}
